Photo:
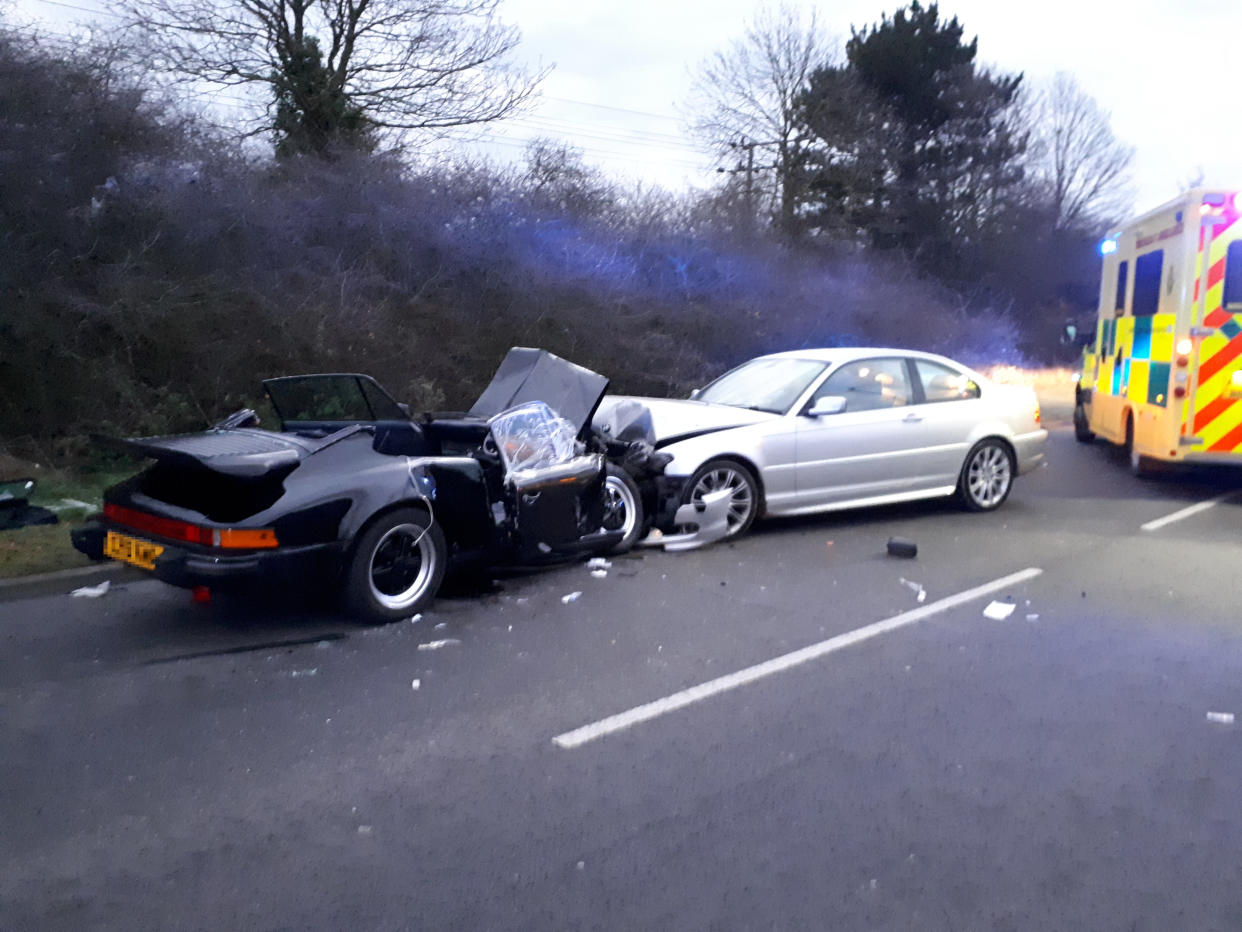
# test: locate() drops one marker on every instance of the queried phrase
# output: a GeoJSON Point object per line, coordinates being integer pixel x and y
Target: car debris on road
{"type": "Point", "coordinates": [999, 611]}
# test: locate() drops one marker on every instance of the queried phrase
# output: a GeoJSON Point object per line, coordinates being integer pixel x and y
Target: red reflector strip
{"type": "Point", "coordinates": [236, 538]}
{"type": "Point", "coordinates": [1210, 412]}
{"type": "Point", "coordinates": [161, 527]}
{"type": "Point", "coordinates": [1225, 355]}
{"type": "Point", "coordinates": [1229, 442]}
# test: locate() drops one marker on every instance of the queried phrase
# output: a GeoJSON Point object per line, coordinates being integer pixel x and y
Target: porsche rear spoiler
{"type": "Point", "coordinates": [246, 453]}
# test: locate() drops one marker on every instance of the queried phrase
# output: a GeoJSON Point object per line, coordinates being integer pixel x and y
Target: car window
{"type": "Point", "coordinates": [319, 398]}
{"type": "Point", "coordinates": [940, 383]}
{"type": "Point", "coordinates": [764, 384]}
{"type": "Point", "coordinates": [869, 384]}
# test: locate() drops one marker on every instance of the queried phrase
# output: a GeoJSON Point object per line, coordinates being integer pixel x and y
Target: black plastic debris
{"type": "Point", "coordinates": [899, 547]}
{"type": "Point", "coordinates": [15, 508]}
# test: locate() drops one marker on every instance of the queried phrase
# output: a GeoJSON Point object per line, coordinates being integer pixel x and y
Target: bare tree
{"type": "Point", "coordinates": [1082, 169]}
{"type": "Point", "coordinates": [342, 70]}
{"type": "Point", "coordinates": [747, 101]}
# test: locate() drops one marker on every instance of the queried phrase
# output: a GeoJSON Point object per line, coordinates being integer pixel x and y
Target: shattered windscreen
{"type": "Point", "coordinates": [532, 436]}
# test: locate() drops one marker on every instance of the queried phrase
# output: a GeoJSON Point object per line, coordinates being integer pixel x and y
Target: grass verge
{"type": "Point", "coordinates": [45, 548]}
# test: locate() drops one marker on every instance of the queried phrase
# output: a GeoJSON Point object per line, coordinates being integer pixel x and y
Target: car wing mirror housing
{"type": "Point", "coordinates": [829, 404]}
{"type": "Point", "coordinates": [695, 394]}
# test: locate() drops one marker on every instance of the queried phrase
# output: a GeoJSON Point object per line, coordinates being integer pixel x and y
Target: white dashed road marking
{"type": "Point", "coordinates": [650, 710]}
{"type": "Point", "coordinates": [1186, 512]}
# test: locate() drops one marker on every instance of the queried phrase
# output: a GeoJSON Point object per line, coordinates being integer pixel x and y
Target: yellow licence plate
{"type": "Point", "coordinates": [131, 550]}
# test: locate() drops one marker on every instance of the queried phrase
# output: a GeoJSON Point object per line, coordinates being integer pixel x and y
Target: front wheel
{"type": "Point", "coordinates": [987, 476]}
{"type": "Point", "coordinates": [397, 566]}
{"type": "Point", "coordinates": [623, 508]}
{"type": "Point", "coordinates": [743, 492]}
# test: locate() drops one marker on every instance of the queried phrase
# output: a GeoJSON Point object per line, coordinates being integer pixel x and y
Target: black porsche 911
{"type": "Point", "coordinates": [354, 491]}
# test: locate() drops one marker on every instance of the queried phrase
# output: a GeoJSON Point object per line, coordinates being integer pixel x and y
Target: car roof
{"type": "Point", "coordinates": [838, 354]}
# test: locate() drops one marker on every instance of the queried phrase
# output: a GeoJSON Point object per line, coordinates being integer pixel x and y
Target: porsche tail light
{"type": "Point", "coordinates": [229, 538]}
{"type": "Point", "coordinates": [243, 538]}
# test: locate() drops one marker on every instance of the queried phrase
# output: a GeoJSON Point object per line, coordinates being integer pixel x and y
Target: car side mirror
{"type": "Point", "coordinates": [695, 394]}
{"type": "Point", "coordinates": [405, 409]}
{"type": "Point", "coordinates": [829, 404]}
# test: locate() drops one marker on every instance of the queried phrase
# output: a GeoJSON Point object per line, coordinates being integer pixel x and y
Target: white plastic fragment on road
{"type": "Point", "coordinates": [599, 574]}
{"type": "Point", "coordinates": [1032, 617]}
{"type": "Point", "coordinates": [571, 597]}
{"type": "Point", "coordinates": [999, 611]}
{"type": "Point", "coordinates": [311, 672]}
{"type": "Point", "coordinates": [414, 619]}
{"type": "Point", "coordinates": [436, 645]}
{"type": "Point", "coordinates": [1220, 718]}
{"type": "Point", "coordinates": [91, 592]}
{"type": "Point", "coordinates": [599, 563]}
{"type": "Point", "coordinates": [414, 684]}
{"type": "Point", "coordinates": [920, 593]}
{"type": "Point", "coordinates": [366, 830]}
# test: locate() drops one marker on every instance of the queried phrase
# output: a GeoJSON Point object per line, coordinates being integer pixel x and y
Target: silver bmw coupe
{"type": "Point", "coordinates": [826, 429]}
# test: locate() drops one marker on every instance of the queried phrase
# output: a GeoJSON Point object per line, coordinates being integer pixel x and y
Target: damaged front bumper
{"type": "Point", "coordinates": [181, 566]}
{"type": "Point", "coordinates": [681, 525]}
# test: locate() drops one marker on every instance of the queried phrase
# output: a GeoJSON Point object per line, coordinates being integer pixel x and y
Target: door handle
{"type": "Point", "coordinates": [912, 419]}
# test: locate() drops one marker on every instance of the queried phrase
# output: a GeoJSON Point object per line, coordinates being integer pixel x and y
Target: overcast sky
{"type": "Point", "coordinates": [622, 74]}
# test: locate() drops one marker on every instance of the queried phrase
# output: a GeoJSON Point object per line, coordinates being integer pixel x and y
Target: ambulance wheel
{"type": "Point", "coordinates": [1140, 466]}
{"type": "Point", "coordinates": [1082, 433]}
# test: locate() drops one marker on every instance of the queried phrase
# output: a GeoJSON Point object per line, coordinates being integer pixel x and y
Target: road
{"type": "Point", "coordinates": [255, 766]}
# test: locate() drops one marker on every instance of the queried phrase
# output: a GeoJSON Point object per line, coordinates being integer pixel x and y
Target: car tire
{"type": "Point", "coordinates": [1082, 433]}
{"type": "Point", "coordinates": [397, 566]}
{"type": "Point", "coordinates": [623, 508]}
{"type": "Point", "coordinates": [986, 476]}
{"type": "Point", "coordinates": [722, 473]}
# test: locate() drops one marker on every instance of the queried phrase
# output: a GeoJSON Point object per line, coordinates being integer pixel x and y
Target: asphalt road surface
{"type": "Point", "coordinates": [808, 745]}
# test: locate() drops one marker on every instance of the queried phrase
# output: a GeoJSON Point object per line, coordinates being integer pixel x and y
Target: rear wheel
{"type": "Point", "coordinates": [986, 477]}
{"type": "Point", "coordinates": [397, 566]}
{"type": "Point", "coordinates": [1140, 466]}
{"type": "Point", "coordinates": [742, 486]}
{"type": "Point", "coordinates": [623, 508]}
{"type": "Point", "coordinates": [1082, 433]}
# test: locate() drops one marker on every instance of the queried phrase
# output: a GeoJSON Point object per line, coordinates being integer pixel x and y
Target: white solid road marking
{"type": "Point", "coordinates": [1185, 512]}
{"type": "Point", "coordinates": [644, 713]}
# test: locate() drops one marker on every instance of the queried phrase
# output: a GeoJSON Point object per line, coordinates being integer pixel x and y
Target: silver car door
{"type": "Point", "coordinates": [871, 448]}
{"type": "Point", "coordinates": [950, 408]}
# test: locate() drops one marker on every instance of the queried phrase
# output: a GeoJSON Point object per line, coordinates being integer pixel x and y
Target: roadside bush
{"type": "Point", "coordinates": [156, 301]}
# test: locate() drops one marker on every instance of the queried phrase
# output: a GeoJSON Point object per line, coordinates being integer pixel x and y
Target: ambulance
{"type": "Point", "coordinates": [1163, 376]}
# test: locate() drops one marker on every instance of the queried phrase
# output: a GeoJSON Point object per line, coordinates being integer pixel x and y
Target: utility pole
{"type": "Point", "coordinates": [748, 145]}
